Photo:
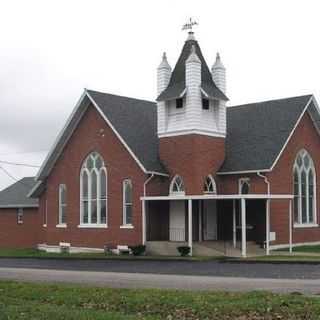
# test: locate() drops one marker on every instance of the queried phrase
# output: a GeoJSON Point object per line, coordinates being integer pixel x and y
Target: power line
{"type": "Point", "coordinates": [22, 152]}
{"type": "Point", "coordinates": [20, 164]}
{"type": "Point", "coordinates": [13, 178]}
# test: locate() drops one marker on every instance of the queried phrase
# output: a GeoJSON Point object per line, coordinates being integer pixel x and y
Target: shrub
{"type": "Point", "coordinates": [138, 250]}
{"type": "Point", "coordinates": [183, 250]}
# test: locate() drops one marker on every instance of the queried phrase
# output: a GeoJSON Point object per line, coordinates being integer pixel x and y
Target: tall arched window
{"type": "Point", "coordinates": [304, 185]}
{"type": "Point", "coordinates": [210, 185]}
{"type": "Point", "coordinates": [62, 204]}
{"type": "Point", "coordinates": [93, 191]}
{"type": "Point", "coordinates": [127, 202]}
{"type": "Point", "coordinates": [177, 186]}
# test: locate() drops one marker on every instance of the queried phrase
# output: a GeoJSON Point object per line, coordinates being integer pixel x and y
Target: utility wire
{"type": "Point", "coordinates": [19, 164]}
{"type": "Point", "coordinates": [22, 152]}
{"type": "Point", "coordinates": [13, 178]}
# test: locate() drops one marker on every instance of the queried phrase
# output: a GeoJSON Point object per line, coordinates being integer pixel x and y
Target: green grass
{"type": "Point", "coordinates": [286, 258]}
{"type": "Point", "coordinates": [34, 253]}
{"type": "Point", "coordinates": [306, 249]}
{"type": "Point", "coordinates": [44, 301]}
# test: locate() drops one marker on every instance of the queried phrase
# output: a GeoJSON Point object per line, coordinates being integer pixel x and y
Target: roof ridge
{"type": "Point", "coordinates": [251, 104]}
{"type": "Point", "coordinates": [119, 96]}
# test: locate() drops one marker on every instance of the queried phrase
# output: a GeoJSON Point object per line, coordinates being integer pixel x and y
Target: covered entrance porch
{"type": "Point", "coordinates": [231, 225]}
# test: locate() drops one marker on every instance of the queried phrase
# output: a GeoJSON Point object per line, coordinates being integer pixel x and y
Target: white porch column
{"type": "Point", "coordinates": [243, 228]}
{"type": "Point", "coordinates": [290, 226]}
{"type": "Point", "coordinates": [200, 220]}
{"type": "Point", "coordinates": [190, 225]}
{"type": "Point", "coordinates": [234, 225]}
{"type": "Point", "coordinates": [268, 227]}
{"type": "Point", "coordinates": [144, 229]}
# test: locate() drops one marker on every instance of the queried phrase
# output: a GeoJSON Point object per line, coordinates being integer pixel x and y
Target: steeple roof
{"type": "Point", "coordinates": [177, 82]}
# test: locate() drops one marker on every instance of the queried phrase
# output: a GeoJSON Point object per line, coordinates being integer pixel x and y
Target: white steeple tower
{"type": "Point", "coordinates": [218, 72]}
{"type": "Point", "coordinates": [163, 74]}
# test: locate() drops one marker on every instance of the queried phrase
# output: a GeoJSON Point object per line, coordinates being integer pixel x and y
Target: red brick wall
{"type": "Point", "coordinates": [305, 136]}
{"type": "Point", "coordinates": [14, 235]}
{"type": "Point", "coordinates": [281, 180]}
{"type": "Point", "coordinates": [193, 157]}
{"type": "Point", "coordinates": [120, 165]}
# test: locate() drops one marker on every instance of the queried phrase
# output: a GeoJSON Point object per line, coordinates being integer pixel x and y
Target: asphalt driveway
{"type": "Point", "coordinates": [192, 268]}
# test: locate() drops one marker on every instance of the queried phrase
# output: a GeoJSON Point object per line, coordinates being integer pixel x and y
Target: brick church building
{"type": "Point", "coordinates": [184, 170]}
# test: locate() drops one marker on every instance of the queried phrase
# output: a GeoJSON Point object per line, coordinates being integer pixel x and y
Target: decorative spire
{"type": "Point", "coordinates": [164, 62]}
{"type": "Point", "coordinates": [218, 64]}
{"type": "Point", "coordinates": [193, 57]}
{"type": "Point", "coordinates": [188, 26]}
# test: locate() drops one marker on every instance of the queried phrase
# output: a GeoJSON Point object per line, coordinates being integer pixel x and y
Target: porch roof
{"type": "Point", "coordinates": [221, 197]}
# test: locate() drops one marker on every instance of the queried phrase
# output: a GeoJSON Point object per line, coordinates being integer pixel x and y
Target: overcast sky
{"type": "Point", "coordinates": [51, 50]}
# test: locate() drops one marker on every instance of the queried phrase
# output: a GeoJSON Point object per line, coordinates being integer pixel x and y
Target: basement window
{"type": "Point", "coordinates": [179, 103]}
{"type": "Point", "coordinates": [205, 104]}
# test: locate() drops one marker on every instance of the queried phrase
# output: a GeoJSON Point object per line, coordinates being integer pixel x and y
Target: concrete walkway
{"type": "Point", "coordinates": [139, 280]}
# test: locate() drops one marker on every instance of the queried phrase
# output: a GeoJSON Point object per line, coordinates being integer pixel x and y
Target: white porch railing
{"type": "Point", "coordinates": [177, 234]}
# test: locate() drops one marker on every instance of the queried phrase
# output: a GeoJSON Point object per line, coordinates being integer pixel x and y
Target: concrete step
{"type": "Point", "coordinates": [164, 248]}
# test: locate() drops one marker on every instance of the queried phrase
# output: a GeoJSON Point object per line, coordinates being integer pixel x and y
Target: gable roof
{"type": "Point", "coordinates": [133, 121]}
{"type": "Point", "coordinates": [257, 132]}
{"type": "Point", "coordinates": [15, 196]}
{"type": "Point", "coordinates": [177, 83]}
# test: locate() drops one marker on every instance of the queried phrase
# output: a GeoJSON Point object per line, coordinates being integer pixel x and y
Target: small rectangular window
{"type": "Point", "coordinates": [20, 216]}
{"type": "Point", "coordinates": [179, 103]}
{"type": "Point", "coordinates": [62, 203]}
{"type": "Point", "coordinates": [205, 104]}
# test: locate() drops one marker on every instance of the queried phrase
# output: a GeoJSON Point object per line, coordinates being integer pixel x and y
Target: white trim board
{"type": "Point", "coordinates": [53, 155]}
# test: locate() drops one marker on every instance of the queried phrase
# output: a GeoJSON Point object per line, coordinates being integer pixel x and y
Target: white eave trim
{"type": "Point", "coordinates": [243, 172]}
{"type": "Point", "coordinates": [34, 188]}
{"type": "Point", "coordinates": [221, 197]}
{"type": "Point", "coordinates": [59, 137]}
{"type": "Point", "coordinates": [312, 99]}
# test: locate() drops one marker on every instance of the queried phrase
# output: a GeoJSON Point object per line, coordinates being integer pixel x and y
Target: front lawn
{"type": "Point", "coordinates": [35, 253]}
{"type": "Point", "coordinates": [44, 301]}
{"type": "Point", "coordinates": [307, 249]}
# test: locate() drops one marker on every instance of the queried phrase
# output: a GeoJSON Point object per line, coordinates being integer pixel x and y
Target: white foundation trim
{"type": "Point", "coordinates": [57, 248]}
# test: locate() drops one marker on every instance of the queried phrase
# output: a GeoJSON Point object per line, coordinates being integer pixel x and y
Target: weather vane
{"type": "Point", "coordinates": [189, 25]}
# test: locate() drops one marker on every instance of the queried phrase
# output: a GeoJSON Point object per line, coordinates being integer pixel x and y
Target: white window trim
{"type": "Point", "coordinates": [124, 205]}
{"type": "Point", "coordinates": [307, 224]}
{"type": "Point", "coordinates": [61, 225]}
{"type": "Point", "coordinates": [214, 185]}
{"type": "Point", "coordinates": [98, 199]}
{"type": "Point", "coordinates": [241, 182]}
{"type": "Point", "coordinates": [177, 193]}
{"type": "Point", "coordinates": [62, 187]}
{"type": "Point", "coordinates": [20, 216]}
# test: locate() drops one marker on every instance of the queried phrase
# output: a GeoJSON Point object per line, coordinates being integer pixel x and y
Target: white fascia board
{"type": "Point", "coordinates": [243, 172]}
{"type": "Point", "coordinates": [291, 133]}
{"type": "Point", "coordinates": [117, 133]}
{"type": "Point", "coordinates": [191, 131]}
{"type": "Point", "coordinates": [34, 188]}
{"type": "Point", "coordinates": [221, 197]}
{"type": "Point", "coordinates": [51, 151]}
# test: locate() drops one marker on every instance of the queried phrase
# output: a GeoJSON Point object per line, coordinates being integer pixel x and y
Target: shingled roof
{"type": "Point", "coordinates": [15, 196]}
{"type": "Point", "coordinates": [257, 132]}
{"type": "Point", "coordinates": [136, 122]}
{"type": "Point", "coordinates": [177, 82]}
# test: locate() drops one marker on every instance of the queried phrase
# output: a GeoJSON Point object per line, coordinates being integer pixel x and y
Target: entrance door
{"type": "Point", "coordinates": [177, 220]}
{"type": "Point", "coordinates": [209, 220]}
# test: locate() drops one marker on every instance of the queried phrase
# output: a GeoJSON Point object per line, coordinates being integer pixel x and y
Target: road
{"type": "Point", "coordinates": [161, 281]}
{"type": "Point", "coordinates": [188, 275]}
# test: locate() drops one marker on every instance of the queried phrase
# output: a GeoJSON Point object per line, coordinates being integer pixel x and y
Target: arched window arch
{"type": "Point", "coordinates": [244, 185]}
{"type": "Point", "coordinates": [210, 185]}
{"type": "Point", "coordinates": [304, 189]}
{"type": "Point", "coordinates": [177, 186]}
{"type": "Point", "coordinates": [93, 191]}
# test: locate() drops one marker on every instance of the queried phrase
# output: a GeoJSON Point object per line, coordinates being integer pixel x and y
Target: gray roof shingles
{"type": "Point", "coordinates": [178, 77]}
{"type": "Point", "coordinates": [16, 194]}
{"type": "Point", "coordinates": [257, 132]}
{"type": "Point", "coordinates": [136, 122]}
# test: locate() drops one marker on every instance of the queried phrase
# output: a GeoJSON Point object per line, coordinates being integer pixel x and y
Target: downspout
{"type": "Point", "coordinates": [267, 212]}
{"type": "Point", "coordinates": [144, 231]}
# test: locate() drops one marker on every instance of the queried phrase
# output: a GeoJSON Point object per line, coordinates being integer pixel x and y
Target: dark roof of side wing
{"type": "Point", "coordinates": [15, 196]}
{"type": "Point", "coordinates": [136, 122]}
{"type": "Point", "coordinates": [257, 132]}
{"type": "Point", "coordinates": [177, 81]}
